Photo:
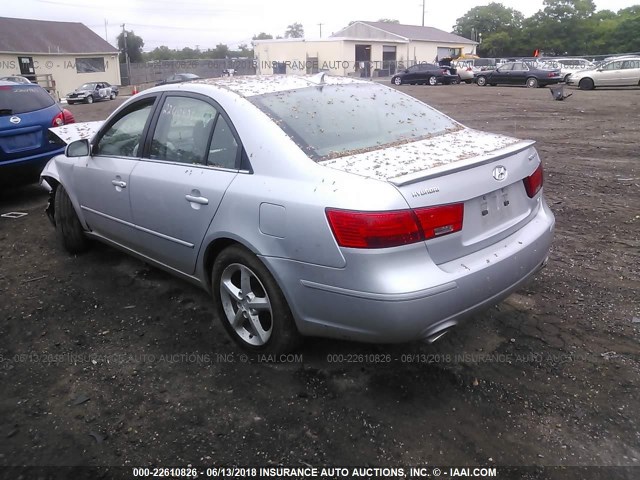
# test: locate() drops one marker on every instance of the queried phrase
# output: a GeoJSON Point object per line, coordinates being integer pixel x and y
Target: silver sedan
{"type": "Point", "coordinates": [316, 205]}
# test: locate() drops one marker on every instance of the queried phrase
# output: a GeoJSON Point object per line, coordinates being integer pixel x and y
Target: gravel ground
{"type": "Point", "coordinates": [108, 361]}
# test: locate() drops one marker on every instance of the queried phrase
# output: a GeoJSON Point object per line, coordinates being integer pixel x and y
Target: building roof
{"type": "Point", "coordinates": [21, 35]}
{"type": "Point", "coordinates": [412, 32]}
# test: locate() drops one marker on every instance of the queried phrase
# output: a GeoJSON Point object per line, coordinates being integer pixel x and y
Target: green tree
{"type": "Point", "coordinates": [486, 20]}
{"type": "Point", "coordinates": [221, 51]}
{"type": "Point", "coordinates": [134, 46]}
{"type": "Point", "coordinates": [262, 36]}
{"type": "Point", "coordinates": [295, 30]}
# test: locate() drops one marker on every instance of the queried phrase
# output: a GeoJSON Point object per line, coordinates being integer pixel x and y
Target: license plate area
{"type": "Point", "coordinates": [18, 143]}
{"type": "Point", "coordinates": [492, 213]}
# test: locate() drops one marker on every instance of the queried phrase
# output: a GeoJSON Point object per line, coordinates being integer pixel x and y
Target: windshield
{"type": "Point", "coordinates": [331, 121]}
{"type": "Point", "coordinates": [87, 86]}
{"type": "Point", "coordinates": [15, 99]}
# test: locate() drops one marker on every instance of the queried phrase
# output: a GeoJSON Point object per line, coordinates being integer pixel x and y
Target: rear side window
{"type": "Point", "coordinates": [23, 98]}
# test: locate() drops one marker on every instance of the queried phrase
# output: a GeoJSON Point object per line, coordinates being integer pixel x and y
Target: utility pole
{"type": "Point", "coordinates": [126, 54]}
{"type": "Point", "coordinates": [423, 5]}
{"type": "Point", "coordinates": [106, 36]}
{"type": "Point", "coordinates": [320, 25]}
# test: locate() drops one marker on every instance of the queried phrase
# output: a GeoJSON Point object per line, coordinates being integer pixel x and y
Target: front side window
{"type": "Point", "coordinates": [124, 137]}
{"type": "Point", "coordinates": [506, 68]}
{"type": "Point", "coordinates": [336, 120]}
{"type": "Point", "coordinates": [183, 130]}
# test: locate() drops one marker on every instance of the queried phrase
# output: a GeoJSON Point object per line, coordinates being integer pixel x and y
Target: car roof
{"type": "Point", "coordinates": [11, 83]}
{"type": "Point", "coordinates": [252, 85]}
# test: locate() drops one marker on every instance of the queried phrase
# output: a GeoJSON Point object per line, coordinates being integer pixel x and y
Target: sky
{"type": "Point", "coordinates": [205, 23]}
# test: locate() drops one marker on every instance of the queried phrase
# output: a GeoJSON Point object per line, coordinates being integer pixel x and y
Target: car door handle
{"type": "Point", "coordinates": [119, 183]}
{"type": "Point", "coordinates": [194, 199]}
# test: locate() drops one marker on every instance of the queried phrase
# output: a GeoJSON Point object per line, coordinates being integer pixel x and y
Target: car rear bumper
{"type": "Point", "coordinates": [25, 169]}
{"type": "Point", "coordinates": [440, 295]}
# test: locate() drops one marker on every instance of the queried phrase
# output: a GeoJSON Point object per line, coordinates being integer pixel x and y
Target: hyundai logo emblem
{"type": "Point", "coordinates": [500, 173]}
{"type": "Point", "coordinates": [15, 120]}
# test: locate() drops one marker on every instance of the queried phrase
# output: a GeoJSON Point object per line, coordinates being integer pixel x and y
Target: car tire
{"type": "Point", "coordinates": [432, 80]}
{"type": "Point", "coordinates": [586, 84]}
{"type": "Point", "coordinates": [89, 99]}
{"type": "Point", "coordinates": [239, 278]}
{"type": "Point", "coordinates": [468, 82]}
{"type": "Point", "coordinates": [112, 96]}
{"type": "Point", "coordinates": [70, 103]}
{"type": "Point", "coordinates": [566, 78]}
{"type": "Point", "coordinates": [456, 81]}
{"type": "Point", "coordinates": [69, 231]}
{"type": "Point", "coordinates": [397, 81]}
{"type": "Point", "coordinates": [481, 81]}
{"type": "Point", "coordinates": [532, 82]}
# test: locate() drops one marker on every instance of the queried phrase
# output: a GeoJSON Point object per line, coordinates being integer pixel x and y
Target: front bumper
{"type": "Point", "coordinates": [437, 298]}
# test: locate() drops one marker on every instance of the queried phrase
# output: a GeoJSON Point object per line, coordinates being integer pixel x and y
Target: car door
{"type": "Point", "coordinates": [630, 73]}
{"type": "Point", "coordinates": [102, 180]}
{"type": "Point", "coordinates": [193, 156]}
{"type": "Point", "coordinates": [501, 74]}
{"type": "Point", "coordinates": [413, 74]}
{"type": "Point", "coordinates": [609, 74]}
{"type": "Point", "coordinates": [518, 74]}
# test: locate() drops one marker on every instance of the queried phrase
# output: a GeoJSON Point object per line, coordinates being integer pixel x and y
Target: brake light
{"type": "Point", "coordinates": [355, 229]}
{"type": "Point", "coordinates": [58, 120]}
{"type": "Point", "coordinates": [63, 118]}
{"type": "Point", "coordinates": [533, 183]}
{"type": "Point", "coordinates": [68, 117]}
{"type": "Point", "coordinates": [441, 220]}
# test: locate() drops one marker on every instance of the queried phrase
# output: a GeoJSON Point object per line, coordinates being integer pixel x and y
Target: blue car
{"type": "Point", "coordinates": [26, 114]}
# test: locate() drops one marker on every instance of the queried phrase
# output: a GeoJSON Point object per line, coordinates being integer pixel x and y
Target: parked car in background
{"type": "Point", "coordinates": [26, 114]}
{"type": "Point", "coordinates": [16, 79]}
{"type": "Point", "coordinates": [92, 92]}
{"type": "Point", "coordinates": [519, 73]}
{"type": "Point", "coordinates": [313, 205]}
{"type": "Point", "coordinates": [620, 72]}
{"type": "Point", "coordinates": [567, 66]}
{"type": "Point", "coordinates": [426, 73]}
{"type": "Point", "coordinates": [179, 78]}
{"type": "Point", "coordinates": [465, 70]}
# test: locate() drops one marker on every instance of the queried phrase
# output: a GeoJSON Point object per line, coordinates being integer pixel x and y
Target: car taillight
{"type": "Point", "coordinates": [356, 229]}
{"type": "Point", "coordinates": [68, 117]}
{"type": "Point", "coordinates": [63, 118]}
{"type": "Point", "coordinates": [58, 120]}
{"type": "Point", "coordinates": [441, 220]}
{"type": "Point", "coordinates": [533, 183]}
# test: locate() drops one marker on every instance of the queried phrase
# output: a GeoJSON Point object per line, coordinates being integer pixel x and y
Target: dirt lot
{"type": "Point", "coordinates": [107, 361]}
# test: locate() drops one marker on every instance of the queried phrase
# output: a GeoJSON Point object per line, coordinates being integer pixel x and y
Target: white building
{"type": "Point", "coordinates": [60, 55]}
{"type": "Point", "coordinates": [361, 49]}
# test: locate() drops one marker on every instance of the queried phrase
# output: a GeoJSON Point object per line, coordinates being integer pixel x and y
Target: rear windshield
{"type": "Point", "coordinates": [16, 99]}
{"type": "Point", "coordinates": [331, 121]}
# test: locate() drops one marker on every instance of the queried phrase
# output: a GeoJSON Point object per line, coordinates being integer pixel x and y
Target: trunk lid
{"type": "Point", "coordinates": [483, 171]}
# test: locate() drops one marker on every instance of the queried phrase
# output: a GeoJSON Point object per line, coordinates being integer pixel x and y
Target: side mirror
{"type": "Point", "coordinates": [406, 70]}
{"type": "Point", "coordinates": [79, 148]}
{"type": "Point", "coordinates": [599, 69]}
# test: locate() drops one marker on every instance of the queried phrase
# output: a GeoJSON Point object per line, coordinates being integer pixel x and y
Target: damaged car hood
{"type": "Point", "coordinates": [76, 131]}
